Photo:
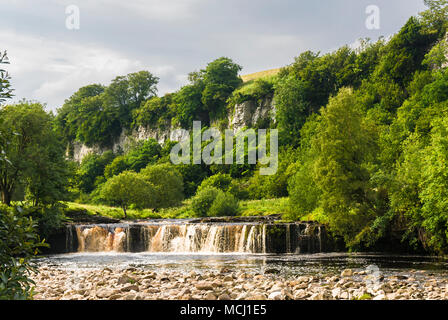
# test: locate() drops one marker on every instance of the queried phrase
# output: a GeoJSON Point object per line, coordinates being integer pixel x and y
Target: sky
{"type": "Point", "coordinates": [51, 58]}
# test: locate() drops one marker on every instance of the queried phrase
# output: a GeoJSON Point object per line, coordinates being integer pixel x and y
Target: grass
{"type": "Point", "coordinates": [264, 207]}
{"type": "Point", "coordinates": [261, 74]}
{"type": "Point", "coordinates": [112, 212]}
{"type": "Point", "coordinates": [247, 208]}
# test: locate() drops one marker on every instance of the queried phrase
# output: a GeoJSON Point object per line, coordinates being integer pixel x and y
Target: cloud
{"type": "Point", "coordinates": [171, 38]}
{"type": "Point", "coordinates": [50, 71]}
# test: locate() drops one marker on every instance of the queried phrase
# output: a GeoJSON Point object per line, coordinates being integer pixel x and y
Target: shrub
{"type": "Point", "coordinates": [19, 242]}
{"type": "Point", "coordinates": [220, 181]}
{"type": "Point", "coordinates": [225, 204]}
{"type": "Point", "coordinates": [203, 200]}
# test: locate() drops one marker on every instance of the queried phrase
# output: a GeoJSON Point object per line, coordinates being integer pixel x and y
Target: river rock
{"type": "Point", "coordinates": [204, 286]}
{"type": "Point", "coordinates": [347, 273]}
{"type": "Point", "coordinates": [277, 295]}
{"type": "Point", "coordinates": [131, 287]}
{"type": "Point", "coordinates": [210, 296]}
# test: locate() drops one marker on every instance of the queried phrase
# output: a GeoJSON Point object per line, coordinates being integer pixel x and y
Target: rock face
{"type": "Point", "coordinates": [250, 113]}
{"type": "Point", "coordinates": [247, 114]}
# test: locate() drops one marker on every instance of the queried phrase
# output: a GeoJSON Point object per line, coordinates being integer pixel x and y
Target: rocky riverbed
{"type": "Point", "coordinates": [54, 283]}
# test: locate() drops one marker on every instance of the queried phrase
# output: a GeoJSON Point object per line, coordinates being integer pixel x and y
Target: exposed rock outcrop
{"type": "Point", "coordinates": [247, 114]}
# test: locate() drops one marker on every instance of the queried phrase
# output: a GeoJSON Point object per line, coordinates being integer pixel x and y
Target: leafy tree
{"type": "Point", "coordinates": [167, 182]}
{"type": "Point", "coordinates": [5, 85]}
{"type": "Point", "coordinates": [436, 16]}
{"type": "Point", "coordinates": [189, 106]}
{"type": "Point", "coordinates": [345, 145]}
{"type": "Point", "coordinates": [117, 166]}
{"type": "Point", "coordinates": [155, 112]}
{"type": "Point", "coordinates": [144, 153]}
{"type": "Point", "coordinates": [128, 188]}
{"type": "Point", "coordinates": [68, 116]}
{"type": "Point", "coordinates": [127, 93]}
{"type": "Point", "coordinates": [92, 167]}
{"type": "Point", "coordinates": [220, 79]}
{"type": "Point", "coordinates": [35, 156]}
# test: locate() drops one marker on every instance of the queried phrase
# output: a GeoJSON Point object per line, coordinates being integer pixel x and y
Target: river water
{"type": "Point", "coordinates": [285, 264]}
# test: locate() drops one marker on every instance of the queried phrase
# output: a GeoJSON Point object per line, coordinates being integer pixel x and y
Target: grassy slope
{"type": "Point", "coordinates": [261, 74]}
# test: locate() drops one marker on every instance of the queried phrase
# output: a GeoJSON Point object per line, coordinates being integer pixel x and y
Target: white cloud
{"type": "Point", "coordinates": [50, 71]}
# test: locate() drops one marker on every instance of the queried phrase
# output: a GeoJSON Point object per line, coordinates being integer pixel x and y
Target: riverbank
{"type": "Point", "coordinates": [56, 283]}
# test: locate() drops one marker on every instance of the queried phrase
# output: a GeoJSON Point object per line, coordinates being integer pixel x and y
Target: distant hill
{"type": "Point", "coordinates": [261, 74]}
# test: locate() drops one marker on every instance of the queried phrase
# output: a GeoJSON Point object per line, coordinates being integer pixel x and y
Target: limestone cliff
{"type": "Point", "coordinates": [247, 114]}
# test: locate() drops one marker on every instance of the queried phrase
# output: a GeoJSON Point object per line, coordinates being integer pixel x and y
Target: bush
{"type": "Point", "coordinates": [203, 200]}
{"type": "Point", "coordinates": [225, 204]}
{"type": "Point", "coordinates": [49, 219]}
{"type": "Point", "coordinates": [19, 242]}
{"type": "Point", "coordinates": [168, 184]}
{"type": "Point", "coordinates": [220, 181]}
{"type": "Point", "coordinates": [213, 202]}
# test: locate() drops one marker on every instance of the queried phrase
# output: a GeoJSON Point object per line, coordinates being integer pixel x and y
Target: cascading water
{"type": "Point", "coordinates": [185, 237]}
{"type": "Point", "coordinates": [203, 238]}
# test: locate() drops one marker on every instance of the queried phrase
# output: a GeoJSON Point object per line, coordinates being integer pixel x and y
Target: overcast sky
{"type": "Point", "coordinates": [171, 38]}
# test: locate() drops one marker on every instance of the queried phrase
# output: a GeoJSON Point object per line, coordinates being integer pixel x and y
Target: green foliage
{"type": "Point", "coordinates": [5, 85]}
{"type": "Point", "coordinates": [189, 106]}
{"type": "Point", "coordinates": [92, 167]}
{"type": "Point", "coordinates": [345, 145]}
{"type": "Point", "coordinates": [276, 185]}
{"type": "Point", "coordinates": [254, 90]}
{"type": "Point", "coordinates": [224, 205]}
{"type": "Point", "coordinates": [168, 186]}
{"type": "Point", "coordinates": [203, 200]}
{"type": "Point", "coordinates": [143, 154]}
{"type": "Point", "coordinates": [96, 115]}
{"type": "Point", "coordinates": [129, 188]}
{"type": "Point", "coordinates": [220, 80]}
{"type": "Point", "coordinates": [36, 160]}
{"type": "Point", "coordinates": [155, 112]}
{"type": "Point", "coordinates": [19, 243]}
{"type": "Point", "coordinates": [220, 181]}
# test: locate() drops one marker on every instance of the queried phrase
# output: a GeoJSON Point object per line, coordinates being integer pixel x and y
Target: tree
{"type": "Point", "coordinates": [168, 184]}
{"type": "Point", "coordinates": [436, 16]}
{"type": "Point", "coordinates": [127, 93]}
{"type": "Point", "coordinates": [5, 85]}
{"type": "Point", "coordinates": [35, 156]}
{"type": "Point", "coordinates": [128, 188]}
{"type": "Point", "coordinates": [345, 145]}
{"type": "Point", "coordinates": [220, 79]}
{"type": "Point", "coordinates": [92, 167]}
{"type": "Point", "coordinates": [143, 154]}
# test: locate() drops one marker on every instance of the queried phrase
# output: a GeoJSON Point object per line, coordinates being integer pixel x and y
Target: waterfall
{"type": "Point", "coordinates": [251, 238]}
